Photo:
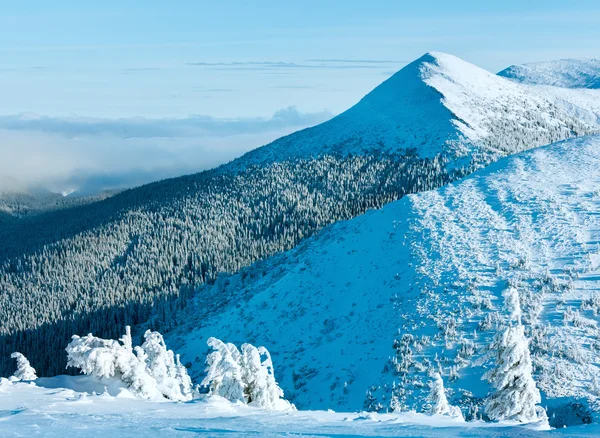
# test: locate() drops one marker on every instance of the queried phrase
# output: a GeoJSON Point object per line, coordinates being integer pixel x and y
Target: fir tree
{"type": "Point", "coordinates": [516, 396]}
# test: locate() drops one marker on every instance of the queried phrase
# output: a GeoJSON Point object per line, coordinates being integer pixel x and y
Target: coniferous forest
{"type": "Point", "coordinates": [137, 257]}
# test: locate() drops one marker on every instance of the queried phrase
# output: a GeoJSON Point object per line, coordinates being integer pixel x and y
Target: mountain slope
{"type": "Point", "coordinates": [142, 252]}
{"type": "Point", "coordinates": [565, 73]}
{"type": "Point", "coordinates": [419, 283]}
{"type": "Point", "coordinates": [15, 204]}
{"type": "Point", "coordinates": [439, 104]}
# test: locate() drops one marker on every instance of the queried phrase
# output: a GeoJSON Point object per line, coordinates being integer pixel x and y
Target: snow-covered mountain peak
{"type": "Point", "coordinates": [441, 105]}
{"type": "Point", "coordinates": [566, 73]}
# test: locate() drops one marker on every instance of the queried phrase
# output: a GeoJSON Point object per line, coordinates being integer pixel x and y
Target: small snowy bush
{"type": "Point", "coordinates": [245, 376]}
{"type": "Point", "coordinates": [224, 371]}
{"type": "Point", "coordinates": [149, 371]}
{"type": "Point", "coordinates": [438, 400]}
{"type": "Point", "coordinates": [24, 370]}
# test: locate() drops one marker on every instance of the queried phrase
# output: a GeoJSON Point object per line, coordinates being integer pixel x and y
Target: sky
{"type": "Point", "coordinates": [255, 70]}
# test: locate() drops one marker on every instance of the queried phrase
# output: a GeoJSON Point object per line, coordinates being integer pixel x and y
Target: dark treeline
{"type": "Point", "coordinates": [137, 256]}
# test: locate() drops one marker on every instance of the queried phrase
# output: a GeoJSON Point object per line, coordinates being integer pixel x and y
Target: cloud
{"type": "Point", "coordinates": [356, 61]}
{"type": "Point", "coordinates": [90, 155]}
{"type": "Point", "coordinates": [331, 64]}
{"type": "Point", "coordinates": [139, 127]}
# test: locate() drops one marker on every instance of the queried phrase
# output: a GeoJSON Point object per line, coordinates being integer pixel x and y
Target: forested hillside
{"type": "Point", "coordinates": [141, 253]}
{"type": "Point", "coordinates": [16, 204]}
{"type": "Point", "coordinates": [103, 273]}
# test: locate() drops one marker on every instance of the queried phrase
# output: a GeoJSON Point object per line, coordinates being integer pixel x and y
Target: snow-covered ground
{"type": "Point", "coordinates": [68, 406]}
{"type": "Point", "coordinates": [430, 269]}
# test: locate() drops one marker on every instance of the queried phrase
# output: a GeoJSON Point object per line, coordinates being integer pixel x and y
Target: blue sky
{"type": "Point", "coordinates": [241, 62]}
{"type": "Point", "coordinates": [126, 58]}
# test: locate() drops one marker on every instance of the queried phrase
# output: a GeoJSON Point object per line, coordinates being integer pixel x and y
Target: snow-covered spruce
{"type": "Point", "coordinates": [516, 396]}
{"type": "Point", "coordinates": [24, 369]}
{"type": "Point", "coordinates": [245, 376]}
{"type": "Point", "coordinates": [149, 371]}
{"type": "Point", "coordinates": [223, 371]}
{"type": "Point", "coordinates": [438, 400]}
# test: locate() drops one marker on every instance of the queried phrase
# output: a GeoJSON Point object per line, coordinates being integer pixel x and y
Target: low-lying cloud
{"type": "Point", "coordinates": [139, 127]}
{"type": "Point", "coordinates": [90, 155]}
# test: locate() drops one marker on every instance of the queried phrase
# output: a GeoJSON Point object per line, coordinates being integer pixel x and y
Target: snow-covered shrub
{"type": "Point", "coordinates": [438, 400]}
{"type": "Point", "coordinates": [262, 388]}
{"type": "Point", "coordinates": [149, 371]}
{"type": "Point", "coordinates": [516, 395]}
{"type": "Point", "coordinates": [489, 321]}
{"type": "Point", "coordinates": [172, 377]}
{"type": "Point", "coordinates": [245, 376]}
{"type": "Point", "coordinates": [224, 371]}
{"type": "Point", "coordinates": [24, 369]}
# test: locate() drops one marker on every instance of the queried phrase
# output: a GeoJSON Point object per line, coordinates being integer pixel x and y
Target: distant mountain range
{"type": "Point", "coordinates": [567, 73]}
{"type": "Point", "coordinates": [138, 256]}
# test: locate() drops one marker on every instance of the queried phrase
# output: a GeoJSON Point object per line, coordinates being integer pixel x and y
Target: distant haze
{"type": "Point", "coordinates": [90, 155]}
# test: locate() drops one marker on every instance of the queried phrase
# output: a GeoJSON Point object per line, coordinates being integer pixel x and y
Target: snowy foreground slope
{"type": "Point", "coordinates": [419, 282]}
{"type": "Point", "coordinates": [566, 73]}
{"type": "Point", "coordinates": [68, 406]}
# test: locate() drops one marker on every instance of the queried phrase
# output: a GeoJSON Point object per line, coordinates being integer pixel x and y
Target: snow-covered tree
{"type": "Point", "coordinates": [272, 396]}
{"type": "Point", "coordinates": [512, 303]}
{"type": "Point", "coordinates": [516, 396]}
{"type": "Point", "coordinates": [439, 401]}
{"type": "Point", "coordinates": [257, 372]}
{"type": "Point", "coordinates": [171, 377]}
{"type": "Point", "coordinates": [245, 376]}
{"type": "Point", "coordinates": [223, 371]}
{"type": "Point", "coordinates": [97, 357]}
{"type": "Point", "coordinates": [24, 369]}
{"type": "Point", "coordinates": [149, 370]}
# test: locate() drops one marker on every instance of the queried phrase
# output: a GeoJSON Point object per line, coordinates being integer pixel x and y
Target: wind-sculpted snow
{"type": "Point", "coordinates": [76, 406]}
{"type": "Point", "coordinates": [566, 73]}
{"type": "Point", "coordinates": [382, 301]}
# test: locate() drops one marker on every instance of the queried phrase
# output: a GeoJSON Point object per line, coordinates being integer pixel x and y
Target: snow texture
{"type": "Point", "coordinates": [378, 301]}
{"type": "Point", "coordinates": [69, 406]}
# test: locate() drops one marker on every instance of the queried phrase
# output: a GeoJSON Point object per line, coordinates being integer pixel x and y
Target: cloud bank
{"type": "Point", "coordinates": [90, 155]}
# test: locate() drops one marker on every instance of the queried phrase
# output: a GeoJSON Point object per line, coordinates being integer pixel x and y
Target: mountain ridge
{"type": "Point", "coordinates": [377, 300]}
{"type": "Point", "coordinates": [439, 91]}
{"type": "Point", "coordinates": [565, 73]}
